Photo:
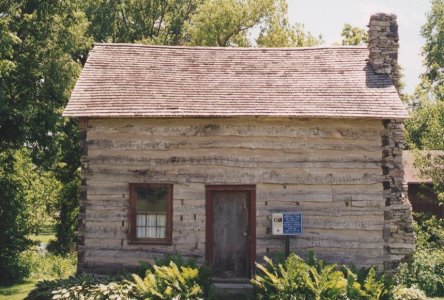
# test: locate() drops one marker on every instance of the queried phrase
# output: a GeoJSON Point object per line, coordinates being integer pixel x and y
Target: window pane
{"type": "Point", "coordinates": [161, 233]}
{"type": "Point", "coordinates": [151, 232]}
{"type": "Point", "coordinates": [140, 232]}
{"type": "Point", "coordinates": [152, 199]}
{"type": "Point", "coordinates": [161, 220]}
{"type": "Point", "coordinates": [141, 220]}
{"type": "Point", "coordinates": [151, 220]}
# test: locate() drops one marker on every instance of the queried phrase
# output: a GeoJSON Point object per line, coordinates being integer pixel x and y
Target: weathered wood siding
{"type": "Point", "coordinates": [328, 169]}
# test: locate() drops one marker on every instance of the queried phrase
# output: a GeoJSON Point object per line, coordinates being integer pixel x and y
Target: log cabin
{"type": "Point", "coordinates": [190, 150]}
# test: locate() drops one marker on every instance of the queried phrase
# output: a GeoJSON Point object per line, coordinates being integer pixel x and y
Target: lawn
{"type": "Point", "coordinates": [44, 267]}
{"type": "Point", "coordinates": [17, 291]}
{"type": "Point", "coordinates": [45, 235]}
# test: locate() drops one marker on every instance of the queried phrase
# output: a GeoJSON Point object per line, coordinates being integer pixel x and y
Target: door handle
{"type": "Point", "coordinates": [245, 234]}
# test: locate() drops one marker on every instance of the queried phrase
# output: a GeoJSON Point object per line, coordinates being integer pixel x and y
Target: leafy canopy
{"type": "Point", "coordinates": [425, 128]}
{"type": "Point", "coordinates": [354, 36]}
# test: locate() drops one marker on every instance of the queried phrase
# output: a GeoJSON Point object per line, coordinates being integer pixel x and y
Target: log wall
{"type": "Point", "coordinates": [328, 169]}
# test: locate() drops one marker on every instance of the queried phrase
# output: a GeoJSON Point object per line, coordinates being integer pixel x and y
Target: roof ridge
{"type": "Point", "coordinates": [229, 48]}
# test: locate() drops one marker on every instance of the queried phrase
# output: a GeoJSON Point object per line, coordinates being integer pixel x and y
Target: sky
{"type": "Point", "coordinates": [327, 17]}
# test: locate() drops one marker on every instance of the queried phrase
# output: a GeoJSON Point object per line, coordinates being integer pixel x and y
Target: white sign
{"type": "Point", "coordinates": [288, 223]}
{"type": "Point", "coordinates": [277, 223]}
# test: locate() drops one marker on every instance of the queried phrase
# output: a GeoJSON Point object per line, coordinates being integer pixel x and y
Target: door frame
{"type": "Point", "coordinates": [251, 205]}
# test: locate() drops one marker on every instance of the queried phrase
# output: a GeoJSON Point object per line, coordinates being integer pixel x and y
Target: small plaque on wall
{"type": "Point", "coordinates": [288, 223]}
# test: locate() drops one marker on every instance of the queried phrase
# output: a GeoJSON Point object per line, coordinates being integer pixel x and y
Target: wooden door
{"type": "Point", "coordinates": [230, 249]}
{"type": "Point", "coordinates": [230, 234]}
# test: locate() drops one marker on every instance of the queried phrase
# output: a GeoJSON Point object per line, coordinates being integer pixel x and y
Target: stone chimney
{"type": "Point", "coordinates": [383, 45]}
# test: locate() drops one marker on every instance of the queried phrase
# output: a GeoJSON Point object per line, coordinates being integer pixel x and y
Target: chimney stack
{"type": "Point", "coordinates": [383, 45]}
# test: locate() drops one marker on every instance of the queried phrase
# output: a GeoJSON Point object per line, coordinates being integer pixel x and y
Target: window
{"type": "Point", "coordinates": [151, 213]}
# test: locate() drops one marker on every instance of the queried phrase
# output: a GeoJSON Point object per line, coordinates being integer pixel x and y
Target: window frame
{"type": "Point", "coordinates": [132, 215]}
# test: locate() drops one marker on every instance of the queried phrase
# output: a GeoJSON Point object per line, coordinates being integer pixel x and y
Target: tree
{"type": "Point", "coordinates": [354, 36]}
{"type": "Point", "coordinates": [43, 45]}
{"type": "Point", "coordinates": [150, 22]}
{"type": "Point", "coordinates": [228, 23]}
{"type": "Point", "coordinates": [425, 128]}
{"type": "Point", "coordinates": [433, 51]}
{"type": "Point", "coordinates": [14, 214]}
{"type": "Point", "coordinates": [279, 32]}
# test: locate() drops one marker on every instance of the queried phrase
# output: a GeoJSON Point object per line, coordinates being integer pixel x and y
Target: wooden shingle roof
{"type": "Point", "coordinates": [130, 80]}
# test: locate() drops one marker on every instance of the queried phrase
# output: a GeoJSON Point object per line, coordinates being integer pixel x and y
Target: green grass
{"type": "Point", "coordinates": [46, 234]}
{"type": "Point", "coordinates": [43, 266]}
{"type": "Point", "coordinates": [16, 291]}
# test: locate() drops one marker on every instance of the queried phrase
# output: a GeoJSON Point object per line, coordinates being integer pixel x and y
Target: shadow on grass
{"type": "Point", "coordinates": [16, 291]}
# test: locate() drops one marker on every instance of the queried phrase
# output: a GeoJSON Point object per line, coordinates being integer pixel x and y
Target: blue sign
{"type": "Point", "coordinates": [292, 223]}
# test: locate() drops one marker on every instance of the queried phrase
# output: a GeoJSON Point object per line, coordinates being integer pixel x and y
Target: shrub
{"type": "Point", "coordinates": [411, 293]}
{"type": "Point", "coordinates": [203, 279]}
{"type": "Point", "coordinates": [49, 266]}
{"type": "Point", "coordinates": [426, 270]}
{"type": "Point", "coordinates": [429, 232]}
{"type": "Point", "coordinates": [84, 287]}
{"type": "Point", "coordinates": [170, 282]}
{"type": "Point", "coordinates": [160, 282]}
{"type": "Point", "coordinates": [285, 280]}
{"type": "Point", "coordinates": [296, 279]}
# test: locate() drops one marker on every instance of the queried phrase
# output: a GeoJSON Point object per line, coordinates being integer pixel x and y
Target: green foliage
{"type": "Point", "coordinates": [411, 293]}
{"type": "Point", "coordinates": [354, 36]}
{"type": "Point", "coordinates": [297, 279]}
{"type": "Point", "coordinates": [45, 44]}
{"type": "Point", "coordinates": [41, 189]}
{"type": "Point", "coordinates": [433, 50]}
{"type": "Point", "coordinates": [190, 262]}
{"type": "Point", "coordinates": [226, 22]}
{"type": "Point", "coordinates": [170, 282]}
{"type": "Point", "coordinates": [279, 32]}
{"type": "Point", "coordinates": [161, 282]}
{"type": "Point", "coordinates": [282, 281]}
{"type": "Point", "coordinates": [150, 22]}
{"type": "Point", "coordinates": [177, 259]}
{"type": "Point", "coordinates": [425, 128]}
{"type": "Point", "coordinates": [84, 287]}
{"type": "Point", "coordinates": [45, 266]}
{"type": "Point", "coordinates": [367, 284]}
{"type": "Point", "coordinates": [429, 232]}
{"type": "Point", "coordinates": [426, 271]}
{"type": "Point", "coordinates": [14, 214]}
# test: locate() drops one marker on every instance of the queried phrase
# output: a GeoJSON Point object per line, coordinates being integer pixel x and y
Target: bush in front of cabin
{"type": "Point", "coordinates": [85, 287]}
{"type": "Point", "coordinates": [411, 293]}
{"type": "Point", "coordinates": [297, 279]}
{"type": "Point", "coordinates": [170, 282]}
{"type": "Point", "coordinates": [159, 282]}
